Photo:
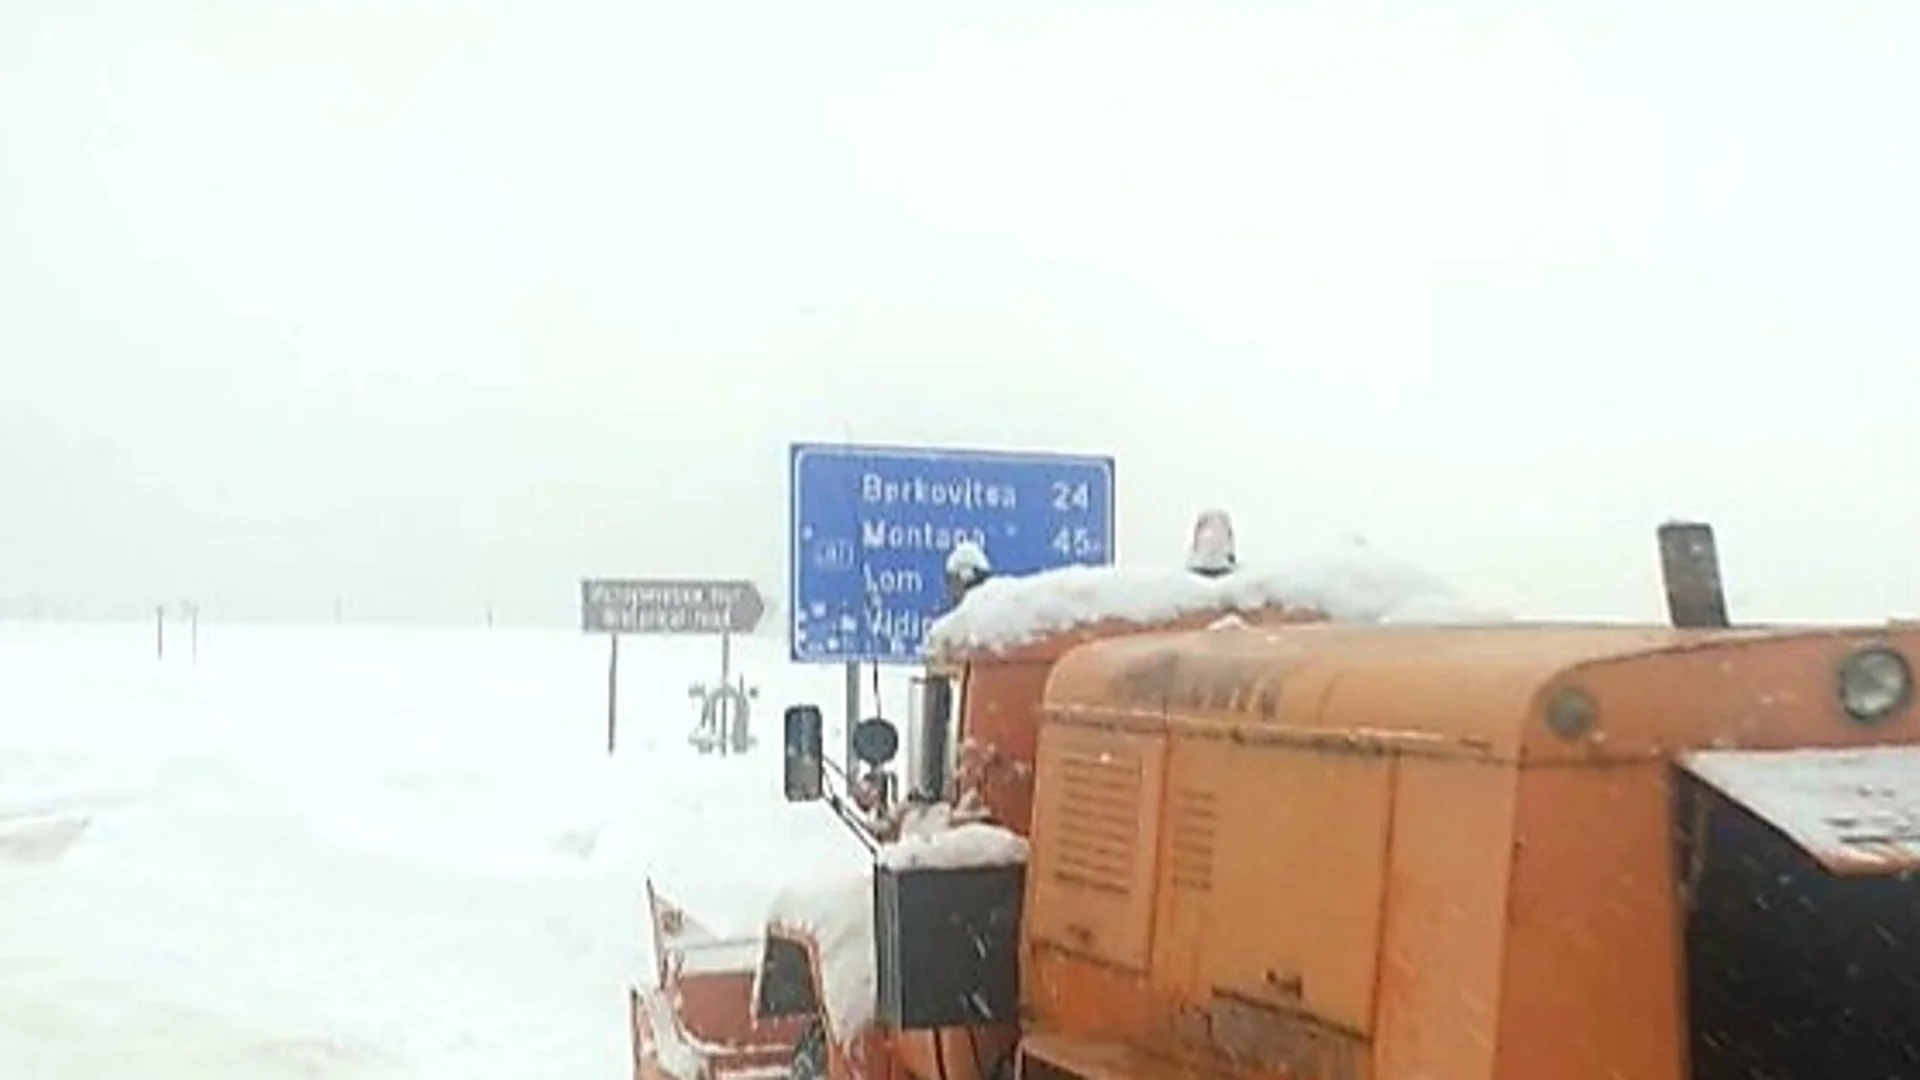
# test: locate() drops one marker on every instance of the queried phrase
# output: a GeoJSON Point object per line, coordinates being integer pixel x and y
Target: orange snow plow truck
{"type": "Point", "coordinates": [1238, 826]}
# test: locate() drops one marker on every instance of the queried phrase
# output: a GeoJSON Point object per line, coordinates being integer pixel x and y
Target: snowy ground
{"type": "Point", "coordinates": [363, 853]}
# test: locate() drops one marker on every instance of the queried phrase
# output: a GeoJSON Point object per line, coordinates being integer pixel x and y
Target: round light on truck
{"type": "Point", "coordinates": [1875, 683]}
{"type": "Point", "coordinates": [1572, 713]}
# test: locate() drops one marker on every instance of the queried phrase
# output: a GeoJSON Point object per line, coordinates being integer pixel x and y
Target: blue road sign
{"type": "Point", "coordinates": [871, 528]}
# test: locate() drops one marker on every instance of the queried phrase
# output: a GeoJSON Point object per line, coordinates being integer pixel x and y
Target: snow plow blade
{"type": "Point", "coordinates": [1856, 812]}
{"type": "Point", "coordinates": [697, 1022]}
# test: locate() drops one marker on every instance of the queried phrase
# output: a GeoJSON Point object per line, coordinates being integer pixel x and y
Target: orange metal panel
{"type": "Point", "coordinates": [1061, 991]}
{"type": "Point", "coordinates": [1439, 995]}
{"type": "Point", "coordinates": [1593, 986]}
{"type": "Point", "coordinates": [1189, 852]}
{"type": "Point", "coordinates": [1297, 902]}
{"type": "Point", "coordinates": [1091, 879]}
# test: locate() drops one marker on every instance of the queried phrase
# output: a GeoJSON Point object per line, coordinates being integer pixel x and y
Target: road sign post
{"type": "Point", "coordinates": [677, 606]}
{"type": "Point", "coordinates": [870, 528]}
{"type": "Point", "coordinates": [613, 690]}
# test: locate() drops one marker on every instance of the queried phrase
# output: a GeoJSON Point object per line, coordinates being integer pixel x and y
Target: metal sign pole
{"type": "Point", "coordinates": [853, 715]}
{"type": "Point", "coordinates": [613, 689]}
{"type": "Point", "coordinates": [724, 712]}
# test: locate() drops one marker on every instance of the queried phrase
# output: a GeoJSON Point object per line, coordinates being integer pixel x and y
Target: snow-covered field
{"type": "Point", "coordinates": [353, 852]}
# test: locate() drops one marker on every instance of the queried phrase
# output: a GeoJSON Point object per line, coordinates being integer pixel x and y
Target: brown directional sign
{"type": "Point", "coordinates": [669, 606]}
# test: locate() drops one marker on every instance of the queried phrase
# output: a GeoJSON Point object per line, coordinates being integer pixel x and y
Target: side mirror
{"type": "Point", "coordinates": [805, 777]}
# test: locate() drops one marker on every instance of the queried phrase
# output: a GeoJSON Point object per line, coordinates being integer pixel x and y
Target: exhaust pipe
{"type": "Point", "coordinates": [1690, 569]}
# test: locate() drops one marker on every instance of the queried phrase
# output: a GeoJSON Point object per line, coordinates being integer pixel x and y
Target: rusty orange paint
{"type": "Point", "coordinates": [1000, 721]}
{"type": "Point", "coordinates": [963, 1054]}
{"type": "Point", "coordinates": [1592, 942]}
{"type": "Point", "coordinates": [1001, 704]}
{"type": "Point", "coordinates": [1370, 840]}
{"type": "Point", "coordinates": [1439, 983]}
{"type": "Point", "coordinates": [706, 1008]}
{"type": "Point", "coordinates": [715, 1010]}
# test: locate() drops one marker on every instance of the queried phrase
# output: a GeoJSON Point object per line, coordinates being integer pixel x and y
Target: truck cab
{"type": "Point", "coordinates": [914, 971]}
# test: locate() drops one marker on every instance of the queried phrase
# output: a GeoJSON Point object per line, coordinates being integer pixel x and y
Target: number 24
{"type": "Point", "coordinates": [1070, 497]}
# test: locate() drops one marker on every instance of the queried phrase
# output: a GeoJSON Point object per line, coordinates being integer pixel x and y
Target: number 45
{"type": "Point", "coordinates": [1070, 497]}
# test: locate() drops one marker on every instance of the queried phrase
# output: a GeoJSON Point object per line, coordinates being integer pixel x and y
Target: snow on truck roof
{"type": "Point", "coordinates": [1353, 584]}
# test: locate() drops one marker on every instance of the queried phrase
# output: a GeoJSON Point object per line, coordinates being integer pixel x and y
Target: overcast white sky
{"type": "Point", "coordinates": [426, 303]}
